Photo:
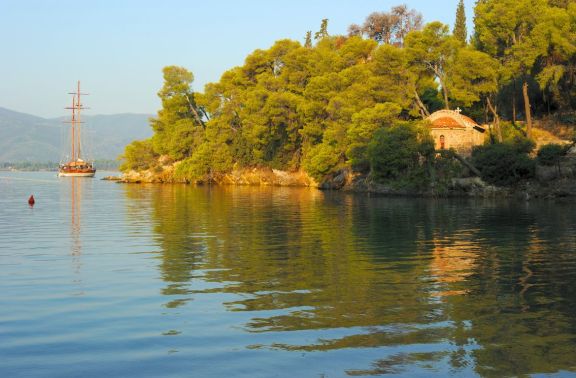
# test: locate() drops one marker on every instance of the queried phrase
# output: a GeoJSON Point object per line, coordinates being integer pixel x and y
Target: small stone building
{"type": "Point", "coordinates": [450, 129]}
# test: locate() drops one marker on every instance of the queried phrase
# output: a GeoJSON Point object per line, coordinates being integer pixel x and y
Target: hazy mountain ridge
{"type": "Point", "coordinates": [25, 137]}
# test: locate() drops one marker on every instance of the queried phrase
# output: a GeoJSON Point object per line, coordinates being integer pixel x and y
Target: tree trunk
{"type": "Point", "coordinates": [445, 91]}
{"type": "Point", "coordinates": [446, 98]}
{"type": "Point", "coordinates": [196, 115]}
{"type": "Point", "coordinates": [514, 103]}
{"type": "Point", "coordinates": [467, 164]}
{"type": "Point", "coordinates": [438, 74]}
{"type": "Point", "coordinates": [527, 109]}
{"type": "Point", "coordinates": [496, 120]}
{"type": "Point", "coordinates": [423, 110]}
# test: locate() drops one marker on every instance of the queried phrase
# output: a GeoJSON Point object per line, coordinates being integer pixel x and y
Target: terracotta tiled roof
{"type": "Point", "coordinates": [446, 123]}
{"type": "Point", "coordinates": [468, 120]}
{"type": "Point", "coordinates": [452, 119]}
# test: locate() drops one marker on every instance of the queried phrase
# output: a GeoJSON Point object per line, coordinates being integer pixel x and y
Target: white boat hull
{"type": "Point", "coordinates": [76, 174]}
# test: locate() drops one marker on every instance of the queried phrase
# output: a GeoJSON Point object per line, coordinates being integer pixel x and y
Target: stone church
{"type": "Point", "coordinates": [450, 129]}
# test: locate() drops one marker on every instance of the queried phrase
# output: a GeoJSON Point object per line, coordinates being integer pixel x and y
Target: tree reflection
{"type": "Point", "coordinates": [483, 285]}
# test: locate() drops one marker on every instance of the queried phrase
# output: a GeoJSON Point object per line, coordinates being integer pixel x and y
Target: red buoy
{"type": "Point", "coordinates": [31, 200]}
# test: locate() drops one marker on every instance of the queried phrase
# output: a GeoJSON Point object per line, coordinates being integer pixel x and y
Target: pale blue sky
{"type": "Point", "coordinates": [117, 48]}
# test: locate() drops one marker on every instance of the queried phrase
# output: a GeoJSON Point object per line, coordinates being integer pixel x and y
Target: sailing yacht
{"type": "Point", "coordinates": [77, 166]}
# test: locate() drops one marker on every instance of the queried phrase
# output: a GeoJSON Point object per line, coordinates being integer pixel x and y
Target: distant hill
{"type": "Point", "coordinates": [24, 137]}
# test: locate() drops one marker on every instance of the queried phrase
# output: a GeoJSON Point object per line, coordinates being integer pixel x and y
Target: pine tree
{"type": "Point", "coordinates": [308, 43]}
{"type": "Point", "coordinates": [323, 32]}
{"type": "Point", "coordinates": [460, 31]}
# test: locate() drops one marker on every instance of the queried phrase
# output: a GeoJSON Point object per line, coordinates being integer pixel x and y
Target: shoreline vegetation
{"type": "Point", "coordinates": [548, 185]}
{"type": "Point", "coordinates": [348, 112]}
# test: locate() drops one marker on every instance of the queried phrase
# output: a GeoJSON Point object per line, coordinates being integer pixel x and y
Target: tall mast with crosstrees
{"type": "Point", "coordinates": [75, 124]}
{"type": "Point", "coordinates": [76, 166]}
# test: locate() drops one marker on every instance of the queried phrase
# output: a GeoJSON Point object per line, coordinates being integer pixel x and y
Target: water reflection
{"type": "Point", "coordinates": [72, 196]}
{"type": "Point", "coordinates": [481, 287]}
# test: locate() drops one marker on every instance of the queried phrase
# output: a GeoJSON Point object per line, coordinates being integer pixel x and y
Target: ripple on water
{"type": "Point", "coordinates": [100, 279]}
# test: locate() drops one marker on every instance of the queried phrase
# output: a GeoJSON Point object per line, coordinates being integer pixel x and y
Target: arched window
{"type": "Point", "coordinates": [442, 142]}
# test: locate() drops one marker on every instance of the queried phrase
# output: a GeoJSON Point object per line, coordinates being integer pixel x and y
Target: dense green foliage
{"type": "Point", "coordinates": [139, 155]}
{"type": "Point", "coordinates": [535, 44]}
{"type": "Point", "coordinates": [337, 102]}
{"type": "Point", "coordinates": [551, 154]}
{"type": "Point", "coordinates": [460, 30]}
{"type": "Point", "coordinates": [505, 164]}
{"type": "Point", "coordinates": [396, 152]}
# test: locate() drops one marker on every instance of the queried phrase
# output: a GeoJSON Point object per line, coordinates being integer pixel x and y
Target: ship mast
{"type": "Point", "coordinates": [75, 122]}
{"type": "Point", "coordinates": [73, 157]}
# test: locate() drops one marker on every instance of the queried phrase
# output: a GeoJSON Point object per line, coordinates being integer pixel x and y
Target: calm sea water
{"type": "Point", "coordinates": [100, 279]}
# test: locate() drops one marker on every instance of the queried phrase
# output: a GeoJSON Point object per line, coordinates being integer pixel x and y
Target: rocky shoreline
{"type": "Point", "coordinates": [548, 183]}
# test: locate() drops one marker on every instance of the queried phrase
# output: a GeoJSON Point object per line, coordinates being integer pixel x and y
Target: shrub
{"type": "Point", "coordinates": [138, 155]}
{"type": "Point", "coordinates": [504, 164]}
{"type": "Point", "coordinates": [396, 152]}
{"type": "Point", "coordinates": [551, 154]}
{"type": "Point", "coordinates": [205, 161]}
{"type": "Point", "coordinates": [522, 145]}
{"type": "Point", "coordinates": [321, 160]}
